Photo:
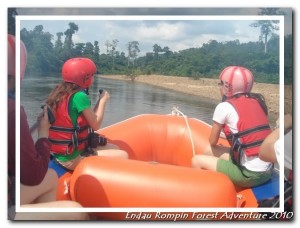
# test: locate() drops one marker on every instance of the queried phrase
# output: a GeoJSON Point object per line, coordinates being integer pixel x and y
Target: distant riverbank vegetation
{"type": "Point", "coordinates": [47, 53]}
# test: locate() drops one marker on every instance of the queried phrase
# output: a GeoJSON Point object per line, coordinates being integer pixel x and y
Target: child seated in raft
{"type": "Point", "coordinates": [74, 118]}
{"type": "Point", "coordinates": [243, 118]}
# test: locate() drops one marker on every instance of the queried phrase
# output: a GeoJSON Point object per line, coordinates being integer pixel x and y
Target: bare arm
{"type": "Point", "coordinates": [288, 122]}
{"type": "Point", "coordinates": [215, 133]}
{"type": "Point", "coordinates": [267, 151]}
{"type": "Point", "coordinates": [95, 117]}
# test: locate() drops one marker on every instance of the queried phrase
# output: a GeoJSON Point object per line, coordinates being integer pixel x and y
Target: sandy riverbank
{"type": "Point", "coordinates": [208, 88]}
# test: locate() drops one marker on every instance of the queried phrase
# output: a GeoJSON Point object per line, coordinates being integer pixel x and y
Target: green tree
{"type": "Point", "coordinates": [68, 44]}
{"type": "Point", "coordinates": [78, 49]}
{"type": "Point", "coordinates": [41, 56]}
{"type": "Point", "coordinates": [88, 51]}
{"type": "Point", "coordinates": [267, 27]}
{"type": "Point", "coordinates": [167, 51]}
{"type": "Point", "coordinates": [157, 49]}
{"type": "Point", "coordinates": [206, 61]}
{"type": "Point", "coordinates": [113, 49]}
{"type": "Point", "coordinates": [133, 50]}
{"type": "Point", "coordinates": [96, 52]}
{"type": "Point", "coordinates": [58, 43]}
{"type": "Point", "coordinates": [108, 45]}
{"type": "Point", "coordinates": [58, 46]}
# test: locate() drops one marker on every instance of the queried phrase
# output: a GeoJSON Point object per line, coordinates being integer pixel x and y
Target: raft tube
{"type": "Point", "coordinates": [114, 182]}
{"type": "Point", "coordinates": [158, 172]}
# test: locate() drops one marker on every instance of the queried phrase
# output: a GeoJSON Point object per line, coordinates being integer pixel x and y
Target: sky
{"type": "Point", "coordinates": [176, 32]}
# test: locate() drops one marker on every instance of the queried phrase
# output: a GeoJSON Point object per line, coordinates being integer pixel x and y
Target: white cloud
{"type": "Point", "coordinates": [176, 34]}
{"type": "Point", "coordinates": [161, 31]}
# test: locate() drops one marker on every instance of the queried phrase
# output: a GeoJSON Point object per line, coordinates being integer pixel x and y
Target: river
{"type": "Point", "coordinates": [127, 99]}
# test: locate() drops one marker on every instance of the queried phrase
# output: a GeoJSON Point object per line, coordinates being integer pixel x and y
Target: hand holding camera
{"type": "Point", "coordinates": [96, 140]}
{"type": "Point", "coordinates": [104, 95]}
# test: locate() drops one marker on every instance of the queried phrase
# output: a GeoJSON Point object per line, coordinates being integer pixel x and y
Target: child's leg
{"type": "Point", "coordinates": [217, 151]}
{"type": "Point", "coordinates": [209, 159]}
{"type": "Point", "coordinates": [205, 162]}
{"type": "Point", "coordinates": [111, 150]}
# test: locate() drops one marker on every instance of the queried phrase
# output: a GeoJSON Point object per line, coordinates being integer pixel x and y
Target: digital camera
{"type": "Point", "coordinates": [96, 140]}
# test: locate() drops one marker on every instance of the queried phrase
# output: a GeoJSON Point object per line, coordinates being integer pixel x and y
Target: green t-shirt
{"type": "Point", "coordinates": [78, 102]}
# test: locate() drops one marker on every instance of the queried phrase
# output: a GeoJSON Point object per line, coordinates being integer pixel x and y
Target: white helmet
{"type": "Point", "coordinates": [236, 79]}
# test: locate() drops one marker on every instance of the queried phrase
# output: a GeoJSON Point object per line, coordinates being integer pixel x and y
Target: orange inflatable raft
{"type": "Point", "coordinates": [158, 172]}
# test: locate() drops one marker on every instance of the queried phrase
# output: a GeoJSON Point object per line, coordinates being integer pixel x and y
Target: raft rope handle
{"type": "Point", "coordinates": [177, 112]}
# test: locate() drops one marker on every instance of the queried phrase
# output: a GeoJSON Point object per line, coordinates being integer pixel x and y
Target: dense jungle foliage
{"type": "Point", "coordinates": [48, 52]}
{"type": "Point", "coordinates": [46, 56]}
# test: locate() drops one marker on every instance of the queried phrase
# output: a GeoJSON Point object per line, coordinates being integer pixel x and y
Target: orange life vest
{"type": "Point", "coordinates": [253, 128]}
{"type": "Point", "coordinates": [63, 135]}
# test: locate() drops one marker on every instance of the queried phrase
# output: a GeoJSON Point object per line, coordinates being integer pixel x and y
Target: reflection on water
{"type": "Point", "coordinates": [127, 99]}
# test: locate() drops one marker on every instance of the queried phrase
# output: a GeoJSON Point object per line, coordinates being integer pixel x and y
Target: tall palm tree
{"type": "Point", "coordinates": [267, 27]}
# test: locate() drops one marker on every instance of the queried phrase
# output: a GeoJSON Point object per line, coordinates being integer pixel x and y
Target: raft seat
{"type": "Point", "coordinates": [269, 189]}
{"type": "Point", "coordinates": [57, 168]}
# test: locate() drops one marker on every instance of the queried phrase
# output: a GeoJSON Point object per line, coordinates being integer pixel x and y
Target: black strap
{"type": "Point", "coordinates": [68, 142]}
{"type": "Point", "coordinates": [240, 134]}
{"type": "Point", "coordinates": [68, 129]}
{"type": "Point", "coordinates": [238, 147]}
{"type": "Point", "coordinates": [249, 145]}
{"type": "Point", "coordinates": [251, 130]}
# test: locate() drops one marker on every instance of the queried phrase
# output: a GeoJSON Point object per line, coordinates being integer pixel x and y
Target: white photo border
{"type": "Point", "coordinates": [280, 18]}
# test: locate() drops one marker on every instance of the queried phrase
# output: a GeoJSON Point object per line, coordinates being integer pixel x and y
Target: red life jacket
{"type": "Point", "coordinates": [253, 128]}
{"type": "Point", "coordinates": [63, 135]}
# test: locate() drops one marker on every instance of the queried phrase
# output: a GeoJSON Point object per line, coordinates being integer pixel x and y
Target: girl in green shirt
{"type": "Point", "coordinates": [74, 116]}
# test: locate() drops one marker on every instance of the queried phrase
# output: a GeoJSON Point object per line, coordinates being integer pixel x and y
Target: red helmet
{"type": "Point", "coordinates": [79, 71]}
{"type": "Point", "coordinates": [11, 56]}
{"type": "Point", "coordinates": [236, 79]}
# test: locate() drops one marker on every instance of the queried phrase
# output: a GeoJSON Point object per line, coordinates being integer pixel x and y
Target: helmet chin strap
{"type": "Point", "coordinates": [224, 98]}
{"type": "Point", "coordinates": [86, 91]}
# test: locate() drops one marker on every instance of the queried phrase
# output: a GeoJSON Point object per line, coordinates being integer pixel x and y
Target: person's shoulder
{"type": "Point", "coordinates": [81, 99]}
{"type": "Point", "coordinates": [224, 105]}
{"type": "Point", "coordinates": [224, 108]}
{"type": "Point", "coordinates": [80, 95]}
